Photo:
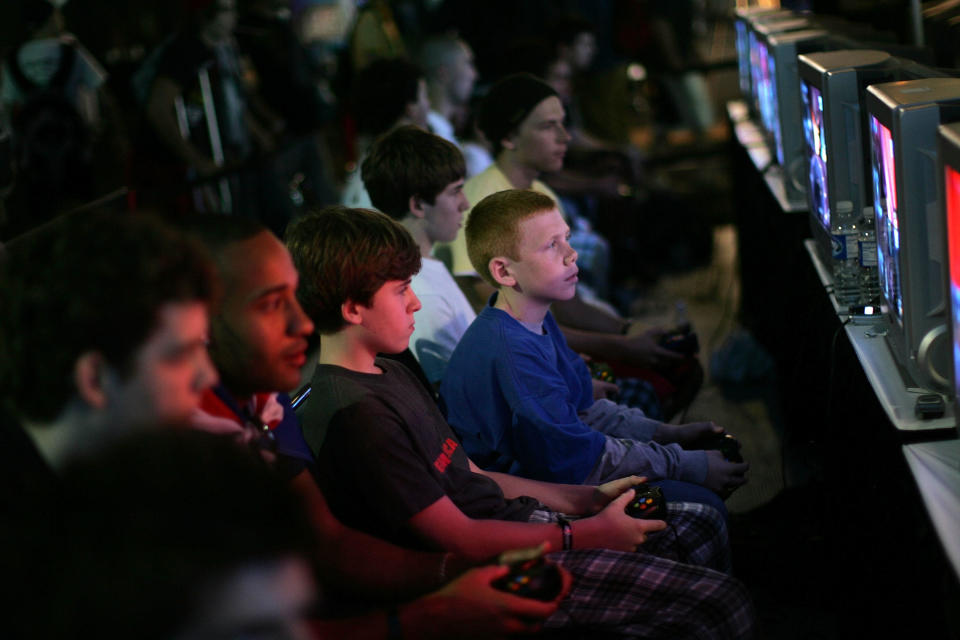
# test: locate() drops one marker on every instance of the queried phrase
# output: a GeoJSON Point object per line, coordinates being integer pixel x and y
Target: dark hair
{"type": "Point", "coordinates": [409, 162]}
{"type": "Point", "coordinates": [493, 228]}
{"type": "Point", "coordinates": [347, 254]}
{"type": "Point", "coordinates": [508, 103]}
{"type": "Point", "coordinates": [88, 281]}
{"type": "Point", "coordinates": [382, 91]}
{"type": "Point", "coordinates": [217, 232]}
{"type": "Point", "coordinates": [159, 520]}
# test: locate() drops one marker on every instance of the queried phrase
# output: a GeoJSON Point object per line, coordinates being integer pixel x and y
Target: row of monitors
{"type": "Point", "coordinates": [862, 134]}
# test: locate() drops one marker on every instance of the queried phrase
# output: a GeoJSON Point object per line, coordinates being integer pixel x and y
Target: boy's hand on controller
{"type": "Point", "coordinates": [604, 390]}
{"type": "Point", "coordinates": [686, 435]}
{"type": "Point", "coordinates": [623, 532]}
{"type": "Point", "coordinates": [723, 476]}
{"type": "Point", "coordinates": [479, 610]}
{"type": "Point", "coordinates": [604, 493]}
{"type": "Point", "coordinates": [644, 350]}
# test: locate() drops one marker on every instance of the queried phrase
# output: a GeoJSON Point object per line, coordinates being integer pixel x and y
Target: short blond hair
{"type": "Point", "coordinates": [493, 227]}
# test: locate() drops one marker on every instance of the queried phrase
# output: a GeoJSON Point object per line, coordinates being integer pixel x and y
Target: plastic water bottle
{"type": "Point", "coordinates": [846, 266]}
{"type": "Point", "coordinates": [867, 257]}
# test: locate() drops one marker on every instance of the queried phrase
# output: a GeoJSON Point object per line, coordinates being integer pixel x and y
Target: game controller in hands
{"type": "Point", "coordinates": [725, 443]}
{"type": "Point", "coordinates": [682, 340]}
{"type": "Point", "coordinates": [534, 578]}
{"type": "Point", "coordinates": [648, 503]}
{"type": "Point", "coordinates": [601, 371]}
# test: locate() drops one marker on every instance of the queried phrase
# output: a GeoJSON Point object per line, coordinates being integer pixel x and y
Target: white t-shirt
{"type": "Point", "coordinates": [442, 320]}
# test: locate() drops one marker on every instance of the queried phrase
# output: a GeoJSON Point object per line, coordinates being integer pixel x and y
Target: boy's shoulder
{"type": "Point", "coordinates": [496, 337]}
{"type": "Point", "coordinates": [336, 389]}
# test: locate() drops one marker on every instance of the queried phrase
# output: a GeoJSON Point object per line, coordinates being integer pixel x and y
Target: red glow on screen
{"type": "Point", "coordinates": [953, 224]}
{"type": "Point", "coordinates": [889, 173]}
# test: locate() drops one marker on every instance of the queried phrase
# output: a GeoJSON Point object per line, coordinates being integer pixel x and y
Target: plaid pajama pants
{"type": "Point", "coordinates": [674, 587]}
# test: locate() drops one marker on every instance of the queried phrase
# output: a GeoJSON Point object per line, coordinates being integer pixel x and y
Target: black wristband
{"type": "Point", "coordinates": [566, 531]}
{"type": "Point", "coordinates": [394, 632]}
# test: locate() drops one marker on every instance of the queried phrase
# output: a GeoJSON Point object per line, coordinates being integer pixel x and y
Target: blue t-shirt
{"type": "Point", "coordinates": [513, 397]}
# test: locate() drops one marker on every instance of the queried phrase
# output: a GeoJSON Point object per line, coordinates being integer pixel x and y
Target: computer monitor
{"type": "Point", "coordinates": [758, 30]}
{"type": "Point", "coordinates": [782, 120]}
{"type": "Point", "coordinates": [836, 151]}
{"type": "Point", "coordinates": [948, 139]}
{"type": "Point", "coordinates": [743, 20]}
{"type": "Point", "coordinates": [903, 119]}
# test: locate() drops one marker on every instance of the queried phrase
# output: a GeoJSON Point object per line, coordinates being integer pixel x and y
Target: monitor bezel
{"type": "Point", "coordinates": [913, 110]}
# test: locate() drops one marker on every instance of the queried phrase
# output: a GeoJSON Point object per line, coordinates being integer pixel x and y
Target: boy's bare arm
{"type": "Point", "coordinates": [367, 565]}
{"type": "Point", "coordinates": [442, 524]}
{"type": "Point", "coordinates": [640, 349]}
{"type": "Point", "coordinates": [572, 499]}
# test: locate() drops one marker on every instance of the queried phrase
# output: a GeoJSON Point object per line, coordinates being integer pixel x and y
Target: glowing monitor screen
{"type": "Point", "coordinates": [953, 259]}
{"type": "Point", "coordinates": [888, 224]}
{"type": "Point", "coordinates": [743, 55]}
{"type": "Point", "coordinates": [816, 146]}
{"type": "Point", "coordinates": [756, 76]}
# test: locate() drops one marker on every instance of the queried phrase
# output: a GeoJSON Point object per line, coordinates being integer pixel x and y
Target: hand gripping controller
{"type": "Point", "coordinates": [682, 340]}
{"type": "Point", "coordinates": [648, 503]}
{"type": "Point", "coordinates": [725, 444]}
{"type": "Point", "coordinates": [534, 578]}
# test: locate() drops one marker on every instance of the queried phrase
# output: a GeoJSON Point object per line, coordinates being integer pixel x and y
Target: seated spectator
{"type": "Point", "coordinates": [416, 178]}
{"type": "Point", "coordinates": [380, 440]}
{"type": "Point", "coordinates": [103, 327]}
{"type": "Point", "coordinates": [207, 124]}
{"type": "Point", "coordinates": [388, 93]}
{"type": "Point", "coordinates": [289, 88]}
{"type": "Point", "coordinates": [535, 415]}
{"type": "Point", "coordinates": [64, 125]}
{"type": "Point", "coordinates": [447, 64]}
{"type": "Point", "coordinates": [258, 339]}
{"type": "Point", "coordinates": [523, 117]}
{"type": "Point", "coordinates": [51, 58]}
{"type": "Point", "coordinates": [104, 320]}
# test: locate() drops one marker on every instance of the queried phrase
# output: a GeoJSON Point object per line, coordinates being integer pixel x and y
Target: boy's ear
{"type": "Point", "coordinates": [89, 378]}
{"type": "Point", "coordinates": [501, 272]}
{"type": "Point", "coordinates": [350, 311]}
{"type": "Point", "coordinates": [507, 143]}
{"type": "Point", "coordinates": [415, 207]}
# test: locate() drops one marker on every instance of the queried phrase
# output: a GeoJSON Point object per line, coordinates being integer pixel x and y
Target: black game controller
{"type": "Point", "coordinates": [682, 340]}
{"type": "Point", "coordinates": [725, 444]}
{"type": "Point", "coordinates": [534, 578]}
{"type": "Point", "coordinates": [648, 503]}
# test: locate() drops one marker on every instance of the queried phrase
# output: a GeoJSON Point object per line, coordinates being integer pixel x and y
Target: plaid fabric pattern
{"type": "Point", "coordinates": [640, 394]}
{"type": "Point", "coordinates": [674, 587]}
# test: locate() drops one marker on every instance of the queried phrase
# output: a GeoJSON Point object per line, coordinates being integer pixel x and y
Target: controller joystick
{"type": "Point", "coordinates": [648, 503]}
{"type": "Point", "coordinates": [535, 578]}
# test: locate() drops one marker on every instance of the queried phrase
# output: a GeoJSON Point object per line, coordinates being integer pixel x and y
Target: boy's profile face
{"type": "Point", "coordinates": [541, 140]}
{"type": "Point", "coordinates": [547, 268]}
{"type": "Point", "coordinates": [259, 339]}
{"type": "Point", "coordinates": [388, 320]}
{"type": "Point", "coordinates": [463, 75]}
{"type": "Point", "coordinates": [169, 371]}
{"type": "Point", "coordinates": [445, 216]}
